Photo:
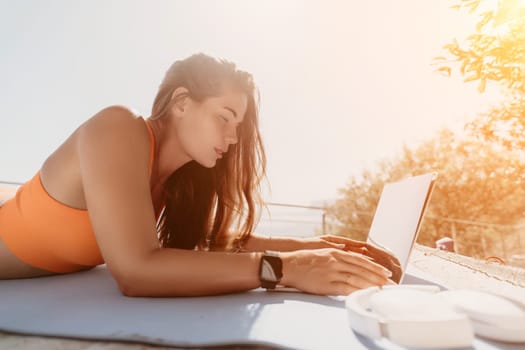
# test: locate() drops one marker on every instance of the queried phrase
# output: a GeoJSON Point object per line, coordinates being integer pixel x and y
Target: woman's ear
{"type": "Point", "coordinates": [180, 98]}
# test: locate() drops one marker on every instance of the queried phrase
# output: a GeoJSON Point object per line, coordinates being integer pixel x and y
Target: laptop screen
{"type": "Point", "coordinates": [399, 214]}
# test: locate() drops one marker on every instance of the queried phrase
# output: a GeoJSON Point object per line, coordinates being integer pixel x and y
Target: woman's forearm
{"type": "Point", "coordinates": [170, 272]}
{"type": "Point", "coordinates": [258, 243]}
{"type": "Point", "coordinates": [176, 272]}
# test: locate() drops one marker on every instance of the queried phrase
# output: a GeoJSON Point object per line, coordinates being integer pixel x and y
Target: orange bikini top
{"type": "Point", "coordinates": [46, 233]}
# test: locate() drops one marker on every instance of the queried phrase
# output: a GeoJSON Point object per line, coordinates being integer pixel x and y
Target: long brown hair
{"type": "Point", "coordinates": [203, 203]}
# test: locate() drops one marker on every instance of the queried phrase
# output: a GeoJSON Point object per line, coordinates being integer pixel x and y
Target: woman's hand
{"type": "Point", "coordinates": [331, 271]}
{"type": "Point", "coordinates": [377, 254]}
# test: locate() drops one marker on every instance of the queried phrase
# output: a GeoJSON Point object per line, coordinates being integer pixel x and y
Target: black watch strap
{"type": "Point", "coordinates": [270, 269]}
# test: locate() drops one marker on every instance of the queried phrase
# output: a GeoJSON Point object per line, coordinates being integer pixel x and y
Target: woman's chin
{"type": "Point", "coordinates": [208, 163]}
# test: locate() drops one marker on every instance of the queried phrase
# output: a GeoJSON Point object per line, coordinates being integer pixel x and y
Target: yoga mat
{"type": "Point", "coordinates": [88, 305]}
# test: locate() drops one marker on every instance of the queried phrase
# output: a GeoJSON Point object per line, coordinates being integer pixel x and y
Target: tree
{"type": "Point", "coordinates": [496, 50]}
{"type": "Point", "coordinates": [477, 183]}
{"type": "Point", "coordinates": [504, 124]}
{"type": "Point", "coordinates": [479, 194]}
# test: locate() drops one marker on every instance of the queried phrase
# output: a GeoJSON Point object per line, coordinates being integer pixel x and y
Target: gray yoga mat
{"type": "Point", "coordinates": [88, 305]}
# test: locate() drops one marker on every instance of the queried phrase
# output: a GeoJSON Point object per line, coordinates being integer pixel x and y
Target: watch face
{"type": "Point", "coordinates": [267, 272]}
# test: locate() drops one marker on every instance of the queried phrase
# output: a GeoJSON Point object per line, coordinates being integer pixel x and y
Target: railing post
{"type": "Point", "coordinates": [503, 248]}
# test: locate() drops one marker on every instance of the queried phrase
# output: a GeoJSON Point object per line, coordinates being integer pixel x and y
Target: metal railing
{"type": "Point", "coordinates": [299, 206]}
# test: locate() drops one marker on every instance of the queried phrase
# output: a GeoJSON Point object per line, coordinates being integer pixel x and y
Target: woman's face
{"type": "Point", "coordinates": [208, 128]}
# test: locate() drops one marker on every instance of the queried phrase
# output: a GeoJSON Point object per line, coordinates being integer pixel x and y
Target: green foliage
{"type": "Point", "coordinates": [504, 124]}
{"type": "Point", "coordinates": [496, 50]}
{"type": "Point", "coordinates": [478, 182]}
{"type": "Point", "coordinates": [480, 191]}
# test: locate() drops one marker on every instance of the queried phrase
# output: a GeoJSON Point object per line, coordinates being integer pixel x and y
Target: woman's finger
{"type": "Point", "coordinates": [363, 261]}
{"type": "Point", "coordinates": [386, 259]}
{"type": "Point", "coordinates": [349, 244]}
{"type": "Point", "coordinates": [342, 240]}
{"type": "Point", "coordinates": [336, 245]}
{"type": "Point", "coordinates": [379, 252]}
{"type": "Point", "coordinates": [357, 281]}
{"type": "Point", "coordinates": [361, 278]}
{"type": "Point", "coordinates": [341, 288]}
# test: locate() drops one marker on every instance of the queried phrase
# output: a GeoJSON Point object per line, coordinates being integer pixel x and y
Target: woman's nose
{"type": "Point", "coordinates": [231, 137]}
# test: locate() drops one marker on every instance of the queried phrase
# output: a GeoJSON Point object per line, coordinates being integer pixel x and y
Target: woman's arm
{"type": "Point", "coordinates": [178, 272]}
{"type": "Point", "coordinates": [113, 151]}
{"type": "Point", "coordinates": [258, 243]}
{"type": "Point", "coordinates": [175, 272]}
{"type": "Point", "coordinates": [113, 155]}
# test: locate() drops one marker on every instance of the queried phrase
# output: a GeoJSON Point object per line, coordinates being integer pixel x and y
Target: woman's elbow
{"type": "Point", "coordinates": [127, 289]}
{"type": "Point", "coordinates": [126, 280]}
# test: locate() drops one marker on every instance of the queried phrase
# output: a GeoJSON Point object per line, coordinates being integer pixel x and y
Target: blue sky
{"type": "Point", "coordinates": [343, 83]}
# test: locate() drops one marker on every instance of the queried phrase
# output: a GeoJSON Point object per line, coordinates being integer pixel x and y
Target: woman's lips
{"type": "Point", "coordinates": [219, 152]}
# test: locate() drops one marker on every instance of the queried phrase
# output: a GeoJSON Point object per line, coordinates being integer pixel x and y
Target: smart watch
{"type": "Point", "coordinates": [270, 270]}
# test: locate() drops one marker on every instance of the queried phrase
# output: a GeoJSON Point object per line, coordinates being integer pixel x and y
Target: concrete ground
{"type": "Point", "coordinates": [449, 269]}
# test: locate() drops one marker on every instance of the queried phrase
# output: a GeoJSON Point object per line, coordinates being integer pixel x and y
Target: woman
{"type": "Point", "coordinates": [156, 199]}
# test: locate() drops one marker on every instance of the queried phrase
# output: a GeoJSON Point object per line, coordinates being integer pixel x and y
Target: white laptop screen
{"type": "Point", "coordinates": [399, 214]}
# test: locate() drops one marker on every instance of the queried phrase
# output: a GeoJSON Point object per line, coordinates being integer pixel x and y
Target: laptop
{"type": "Point", "coordinates": [399, 214]}
{"type": "Point", "coordinates": [397, 218]}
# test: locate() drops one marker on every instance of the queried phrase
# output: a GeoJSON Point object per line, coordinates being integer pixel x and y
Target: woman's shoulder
{"type": "Point", "coordinates": [114, 115]}
{"type": "Point", "coordinates": [115, 127]}
{"type": "Point", "coordinates": [113, 137]}
{"type": "Point", "coordinates": [115, 121]}
{"type": "Point", "coordinates": [113, 150]}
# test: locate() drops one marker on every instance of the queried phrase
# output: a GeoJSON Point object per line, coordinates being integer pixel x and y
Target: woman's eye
{"type": "Point", "coordinates": [224, 119]}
